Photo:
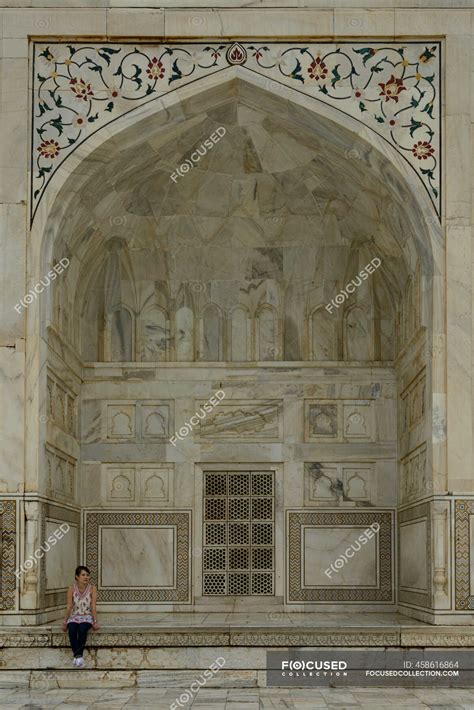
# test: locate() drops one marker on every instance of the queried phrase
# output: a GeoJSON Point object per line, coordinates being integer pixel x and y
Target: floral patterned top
{"type": "Point", "coordinates": [81, 605]}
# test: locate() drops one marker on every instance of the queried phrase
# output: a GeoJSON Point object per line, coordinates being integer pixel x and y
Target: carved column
{"type": "Point", "coordinates": [440, 576]}
{"type": "Point", "coordinates": [30, 577]}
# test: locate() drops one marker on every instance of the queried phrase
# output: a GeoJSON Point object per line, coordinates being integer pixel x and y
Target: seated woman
{"type": "Point", "coordinates": [81, 613]}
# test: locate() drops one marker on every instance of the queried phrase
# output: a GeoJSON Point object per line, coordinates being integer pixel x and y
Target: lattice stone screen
{"type": "Point", "coordinates": [239, 533]}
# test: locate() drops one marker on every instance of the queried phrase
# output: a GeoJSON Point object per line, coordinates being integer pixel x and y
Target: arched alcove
{"type": "Point", "coordinates": [232, 266]}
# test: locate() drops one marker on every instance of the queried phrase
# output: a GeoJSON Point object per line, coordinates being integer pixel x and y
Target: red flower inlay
{"type": "Point", "coordinates": [422, 150]}
{"type": "Point", "coordinates": [318, 70]}
{"type": "Point", "coordinates": [392, 89]}
{"type": "Point", "coordinates": [81, 89]}
{"type": "Point", "coordinates": [155, 69]}
{"type": "Point", "coordinates": [49, 149]}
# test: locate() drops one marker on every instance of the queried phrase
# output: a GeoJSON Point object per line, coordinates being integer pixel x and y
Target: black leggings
{"type": "Point", "coordinates": [78, 637]}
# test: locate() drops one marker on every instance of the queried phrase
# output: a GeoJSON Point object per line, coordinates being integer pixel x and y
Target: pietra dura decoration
{"type": "Point", "coordinates": [391, 88]}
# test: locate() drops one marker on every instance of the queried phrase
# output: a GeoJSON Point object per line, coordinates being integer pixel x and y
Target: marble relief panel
{"type": "Point", "coordinates": [138, 483]}
{"type": "Point", "coordinates": [414, 483]}
{"type": "Point", "coordinates": [242, 420]}
{"type": "Point", "coordinates": [316, 539]}
{"type": "Point", "coordinates": [136, 421]}
{"type": "Point", "coordinates": [60, 474]}
{"type": "Point", "coordinates": [413, 403]}
{"type": "Point", "coordinates": [339, 420]}
{"type": "Point", "coordinates": [61, 404]}
{"type": "Point", "coordinates": [8, 521]}
{"type": "Point", "coordinates": [346, 484]}
{"type": "Point", "coordinates": [122, 549]}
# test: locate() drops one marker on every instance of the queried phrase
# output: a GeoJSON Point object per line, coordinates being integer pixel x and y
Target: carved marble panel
{"type": "Point", "coordinates": [120, 484]}
{"type": "Point", "coordinates": [358, 421]}
{"type": "Point", "coordinates": [311, 534]}
{"type": "Point", "coordinates": [242, 420]}
{"type": "Point", "coordinates": [411, 579]}
{"type": "Point", "coordinates": [120, 421]}
{"type": "Point", "coordinates": [60, 474]}
{"type": "Point", "coordinates": [61, 403]}
{"type": "Point", "coordinates": [339, 420]}
{"type": "Point", "coordinates": [154, 421]}
{"type": "Point", "coordinates": [341, 484]}
{"type": "Point", "coordinates": [413, 403]}
{"type": "Point", "coordinates": [322, 421]}
{"type": "Point", "coordinates": [146, 420]}
{"type": "Point", "coordinates": [414, 482]}
{"type": "Point", "coordinates": [155, 484]}
{"type": "Point", "coordinates": [8, 566]}
{"type": "Point", "coordinates": [146, 552]}
{"type": "Point", "coordinates": [142, 484]}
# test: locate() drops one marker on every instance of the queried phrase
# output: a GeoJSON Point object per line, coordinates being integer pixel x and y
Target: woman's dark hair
{"type": "Point", "coordinates": [79, 570]}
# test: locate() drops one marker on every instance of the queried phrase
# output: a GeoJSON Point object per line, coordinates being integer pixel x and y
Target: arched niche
{"type": "Point", "coordinates": [323, 334]}
{"type": "Point", "coordinates": [240, 335]}
{"type": "Point", "coordinates": [268, 346]}
{"type": "Point", "coordinates": [120, 335]}
{"type": "Point", "coordinates": [211, 334]}
{"type": "Point", "coordinates": [154, 335]}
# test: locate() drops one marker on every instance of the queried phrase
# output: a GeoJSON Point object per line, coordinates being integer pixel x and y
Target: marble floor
{"type": "Point", "coordinates": [241, 699]}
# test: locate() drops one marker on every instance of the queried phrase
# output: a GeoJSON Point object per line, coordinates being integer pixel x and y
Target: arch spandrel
{"type": "Point", "coordinates": [391, 88]}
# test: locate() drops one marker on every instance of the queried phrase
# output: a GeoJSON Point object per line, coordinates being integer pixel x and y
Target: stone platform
{"type": "Point", "coordinates": [151, 650]}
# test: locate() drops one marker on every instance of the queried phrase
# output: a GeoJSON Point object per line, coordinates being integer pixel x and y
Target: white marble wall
{"type": "Point", "coordinates": [448, 346]}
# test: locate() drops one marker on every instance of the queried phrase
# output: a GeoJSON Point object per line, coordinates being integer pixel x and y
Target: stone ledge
{"type": "Point", "coordinates": [232, 636]}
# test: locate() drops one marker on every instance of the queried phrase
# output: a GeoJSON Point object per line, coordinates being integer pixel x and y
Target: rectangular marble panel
{"type": "Point", "coordinates": [322, 546]}
{"type": "Point", "coordinates": [414, 482]}
{"type": "Point", "coordinates": [358, 421]}
{"type": "Point", "coordinates": [154, 484]}
{"type": "Point", "coordinates": [412, 551]}
{"type": "Point", "coordinates": [60, 559]}
{"type": "Point", "coordinates": [137, 557]}
{"type": "Point", "coordinates": [119, 420]}
{"type": "Point", "coordinates": [139, 483]}
{"type": "Point", "coordinates": [341, 484]}
{"type": "Point", "coordinates": [315, 539]}
{"type": "Point", "coordinates": [154, 421]}
{"type": "Point", "coordinates": [141, 556]}
{"type": "Point", "coordinates": [412, 595]}
{"type": "Point", "coordinates": [242, 420]}
{"type": "Point", "coordinates": [339, 420]}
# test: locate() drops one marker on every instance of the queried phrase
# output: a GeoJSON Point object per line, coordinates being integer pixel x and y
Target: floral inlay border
{"type": "Point", "coordinates": [392, 88]}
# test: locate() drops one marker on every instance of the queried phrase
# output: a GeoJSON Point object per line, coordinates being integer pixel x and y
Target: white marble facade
{"type": "Point", "coordinates": [332, 419]}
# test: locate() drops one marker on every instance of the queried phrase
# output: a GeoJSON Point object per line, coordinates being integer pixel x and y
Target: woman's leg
{"type": "Point", "coordinates": [73, 629]}
{"type": "Point", "coordinates": [82, 637]}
